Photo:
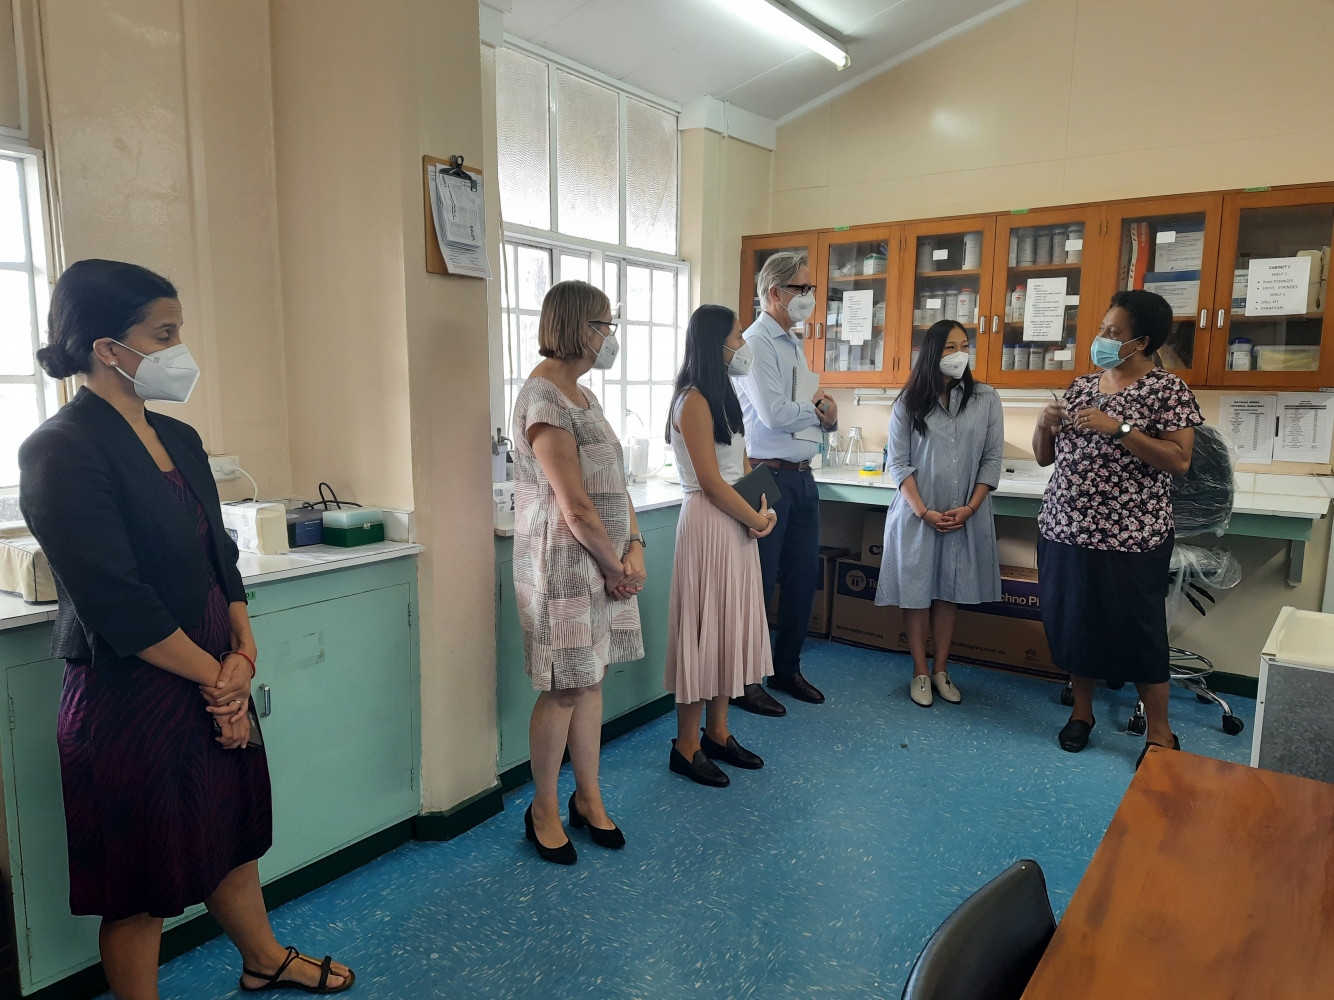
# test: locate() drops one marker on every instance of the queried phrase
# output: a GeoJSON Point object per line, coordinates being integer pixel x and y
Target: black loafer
{"type": "Point", "coordinates": [798, 687]}
{"type": "Point", "coordinates": [733, 753]}
{"type": "Point", "coordinates": [1075, 736]}
{"type": "Point", "coordinates": [759, 701]}
{"type": "Point", "coordinates": [1176, 745]}
{"type": "Point", "coordinates": [699, 769]}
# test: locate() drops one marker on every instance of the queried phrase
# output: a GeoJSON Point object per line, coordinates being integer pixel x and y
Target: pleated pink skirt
{"type": "Point", "coordinates": [717, 634]}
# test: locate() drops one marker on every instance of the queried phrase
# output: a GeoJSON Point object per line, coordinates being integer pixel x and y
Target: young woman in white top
{"type": "Point", "coordinates": [718, 636]}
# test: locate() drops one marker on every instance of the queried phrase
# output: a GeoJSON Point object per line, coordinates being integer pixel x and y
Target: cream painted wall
{"type": "Point", "coordinates": [160, 153]}
{"type": "Point", "coordinates": [389, 394]}
{"type": "Point", "coordinates": [724, 196]}
{"type": "Point", "coordinates": [1060, 101]}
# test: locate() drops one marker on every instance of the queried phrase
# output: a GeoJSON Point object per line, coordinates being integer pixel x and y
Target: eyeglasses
{"type": "Point", "coordinates": [800, 289]}
{"type": "Point", "coordinates": [611, 328]}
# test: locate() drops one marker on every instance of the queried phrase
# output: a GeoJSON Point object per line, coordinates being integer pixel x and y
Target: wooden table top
{"type": "Point", "coordinates": [1214, 880]}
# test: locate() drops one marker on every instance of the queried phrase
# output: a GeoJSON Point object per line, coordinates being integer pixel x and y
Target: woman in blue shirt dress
{"type": "Point", "coordinates": [946, 440]}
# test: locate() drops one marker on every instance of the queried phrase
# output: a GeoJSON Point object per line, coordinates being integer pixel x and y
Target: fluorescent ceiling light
{"type": "Point", "coordinates": [779, 18]}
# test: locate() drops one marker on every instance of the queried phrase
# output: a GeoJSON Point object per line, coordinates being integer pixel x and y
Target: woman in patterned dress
{"type": "Point", "coordinates": [1117, 439]}
{"type": "Point", "coordinates": [166, 805]}
{"type": "Point", "coordinates": [578, 561]}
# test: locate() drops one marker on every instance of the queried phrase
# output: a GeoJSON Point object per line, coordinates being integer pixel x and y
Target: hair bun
{"type": "Point", "coordinates": [57, 362]}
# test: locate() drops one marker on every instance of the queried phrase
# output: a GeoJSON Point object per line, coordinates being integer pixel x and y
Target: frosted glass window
{"type": "Point", "coordinates": [588, 162]}
{"type": "Point", "coordinates": [664, 296]}
{"type": "Point", "coordinates": [639, 295]}
{"type": "Point", "coordinates": [18, 419]}
{"type": "Point", "coordinates": [573, 268]}
{"type": "Point", "coordinates": [13, 246]}
{"type": "Point", "coordinates": [636, 349]}
{"type": "Point", "coordinates": [650, 177]}
{"type": "Point", "coordinates": [16, 350]}
{"type": "Point", "coordinates": [523, 139]}
{"type": "Point", "coordinates": [664, 354]}
{"type": "Point", "coordinates": [27, 396]}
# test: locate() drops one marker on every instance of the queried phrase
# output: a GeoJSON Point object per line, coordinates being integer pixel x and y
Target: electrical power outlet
{"type": "Point", "coordinates": [225, 467]}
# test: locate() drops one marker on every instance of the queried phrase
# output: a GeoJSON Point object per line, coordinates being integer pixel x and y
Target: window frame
{"type": "Point", "coordinates": [556, 243]}
{"type": "Point", "coordinates": [624, 92]}
{"type": "Point", "coordinates": [50, 394]}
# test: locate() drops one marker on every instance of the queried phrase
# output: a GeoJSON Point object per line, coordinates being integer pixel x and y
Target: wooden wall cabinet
{"type": "Point", "coordinates": [1291, 350]}
{"type": "Point", "coordinates": [866, 261]}
{"type": "Point", "coordinates": [1195, 250]}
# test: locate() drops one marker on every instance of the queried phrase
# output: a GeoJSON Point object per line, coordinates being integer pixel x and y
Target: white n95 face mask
{"type": "Point", "coordinates": [168, 375]}
{"type": "Point", "coordinates": [800, 308]}
{"type": "Point", "coordinates": [607, 352]}
{"type": "Point", "coordinates": [954, 365]}
{"type": "Point", "coordinates": [742, 359]}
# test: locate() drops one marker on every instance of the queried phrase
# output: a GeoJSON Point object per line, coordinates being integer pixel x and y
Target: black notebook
{"type": "Point", "coordinates": [758, 482]}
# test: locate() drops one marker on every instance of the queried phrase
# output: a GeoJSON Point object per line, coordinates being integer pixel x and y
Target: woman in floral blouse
{"type": "Point", "coordinates": [1117, 439]}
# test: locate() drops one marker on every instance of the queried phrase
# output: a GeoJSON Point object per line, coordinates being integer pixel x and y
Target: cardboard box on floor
{"type": "Point", "coordinates": [823, 604]}
{"type": "Point", "coordinates": [1007, 633]}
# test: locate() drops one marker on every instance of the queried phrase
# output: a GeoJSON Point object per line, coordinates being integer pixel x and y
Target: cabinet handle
{"type": "Point", "coordinates": [819, 331]}
{"type": "Point", "coordinates": [995, 324]}
{"type": "Point", "coordinates": [266, 700]}
{"type": "Point", "coordinates": [1204, 319]}
{"type": "Point", "coordinates": [806, 331]}
{"type": "Point", "coordinates": [1219, 324]}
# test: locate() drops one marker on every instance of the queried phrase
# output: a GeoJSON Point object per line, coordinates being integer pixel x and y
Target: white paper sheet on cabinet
{"type": "Point", "coordinates": [858, 309]}
{"type": "Point", "coordinates": [1304, 425]}
{"type": "Point", "coordinates": [1277, 286]}
{"type": "Point", "coordinates": [460, 222]}
{"type": "Point", "coordinates": [1248, 423]}
{"type": "Point", "coordinates": [1044, 310]}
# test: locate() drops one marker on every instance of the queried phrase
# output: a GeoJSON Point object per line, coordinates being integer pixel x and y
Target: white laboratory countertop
{"type": "Point", "coordinates": [254, 569]}
{"type": "Point", "coordinates": [1256, 493]}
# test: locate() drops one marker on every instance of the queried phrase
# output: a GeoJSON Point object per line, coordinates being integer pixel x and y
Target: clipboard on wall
{"type": "Point", "coordinates": [466, 256]}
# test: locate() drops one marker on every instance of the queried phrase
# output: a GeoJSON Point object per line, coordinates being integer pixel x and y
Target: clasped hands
{"type": "Point", "coordinates": [227, 700]}
{"type": "Point", "coordinates": [950, 520]}
{"type": "Point", "coordinates": [627, 580]}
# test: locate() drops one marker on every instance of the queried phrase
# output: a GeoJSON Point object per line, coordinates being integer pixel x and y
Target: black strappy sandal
{"type": "Point", "coordinates": [276, 982]}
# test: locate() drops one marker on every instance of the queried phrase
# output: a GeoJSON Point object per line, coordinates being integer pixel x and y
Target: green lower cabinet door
{"type": "Point", "coordinates": [52, 943]}
{"type": "Point", "coordinates": [341, 737]}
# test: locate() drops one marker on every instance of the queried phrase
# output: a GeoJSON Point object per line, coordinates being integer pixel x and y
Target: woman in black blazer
{"type": "Point", "coordinates": [167, 801]}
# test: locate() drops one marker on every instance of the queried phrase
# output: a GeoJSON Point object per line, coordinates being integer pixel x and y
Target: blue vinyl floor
{"type": "Point", "coordinates": [819, 876]}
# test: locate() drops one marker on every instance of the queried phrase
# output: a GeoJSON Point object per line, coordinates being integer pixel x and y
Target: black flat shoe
{"type": "Point", "coordinates": [798, 687]}
{"type": "Point", "coordinates": [732, 753]}
{"type": "Point", "coordinates": [1074, 737]}
{"type": "Point", "coordinates": [1176, 745]}
{"type": "Point", "coordinates": [759, 701]}
{"type": "Point", "coordinates": [699, 769]}
{"type": "Point", "coordinates": [563, 855]}
{"type": "Point", "coordinates": [612, 838]}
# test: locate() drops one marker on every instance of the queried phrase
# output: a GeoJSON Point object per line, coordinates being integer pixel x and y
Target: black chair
{"type": "Point", "coordinates": [988, 947]}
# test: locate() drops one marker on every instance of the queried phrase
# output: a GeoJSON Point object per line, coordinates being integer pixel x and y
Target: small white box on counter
{"type": "Point", "coordinates": [257, 527]}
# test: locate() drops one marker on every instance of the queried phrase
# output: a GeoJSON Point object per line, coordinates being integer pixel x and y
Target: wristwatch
{"type": "Point", "coordinates": [638, 536]}
{"type": "Point", "coordinates": [1121, 432]}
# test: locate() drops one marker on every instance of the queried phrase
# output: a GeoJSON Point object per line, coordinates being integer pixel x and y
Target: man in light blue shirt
{"type": "Point", "coordinates": [789, 555]}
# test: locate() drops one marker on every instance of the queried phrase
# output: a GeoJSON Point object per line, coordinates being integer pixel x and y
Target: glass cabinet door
{"type": "Point", "coordinates": [949, 263]}
{"type": "Point", "coordinates": [754, 252]}
{"type": "Point", "coordinates": [854, 276]}
{"type": "Point", "coordinates": [1170, 246]}
{"type": "Point", "coordinates": [1270, 299]}
{"type": "Point", "coordinates": [1038, 333]}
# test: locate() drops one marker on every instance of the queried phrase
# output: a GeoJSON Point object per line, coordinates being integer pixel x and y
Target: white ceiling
{"type": "Point", "coordinates": [683, 50]}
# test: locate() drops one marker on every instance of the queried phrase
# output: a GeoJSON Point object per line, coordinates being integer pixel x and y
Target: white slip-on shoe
{"type": "Point", "coordinates": [945, 687]}
{"type": "Point", "coordinates": [920, 690]}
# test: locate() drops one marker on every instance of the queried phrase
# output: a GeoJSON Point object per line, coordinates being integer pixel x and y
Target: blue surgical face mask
{"type": "Point", "coordinates": [1106, 353]}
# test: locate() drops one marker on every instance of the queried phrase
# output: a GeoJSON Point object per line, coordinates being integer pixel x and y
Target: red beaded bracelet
{"type": "Point", "coordinates": [237, 652]}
